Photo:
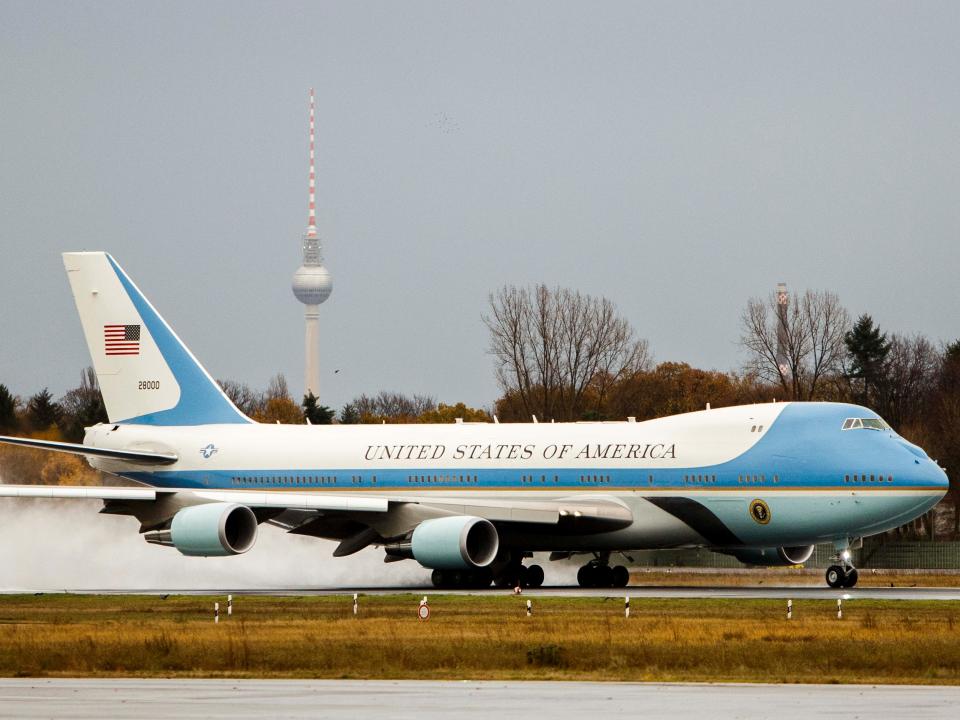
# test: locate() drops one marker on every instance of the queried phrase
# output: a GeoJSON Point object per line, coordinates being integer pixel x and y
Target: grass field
{"type": "Point", "coordinates": [487, 637]}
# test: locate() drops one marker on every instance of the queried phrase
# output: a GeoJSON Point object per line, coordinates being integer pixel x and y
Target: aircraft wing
{"type": "Point", "coordinates": [253, 499]}
{"type": "Point", "coordinates": [582, 510]}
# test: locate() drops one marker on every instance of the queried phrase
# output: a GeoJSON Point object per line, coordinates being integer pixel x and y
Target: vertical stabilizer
{"type": "Point", "coordinates": [146, 374]}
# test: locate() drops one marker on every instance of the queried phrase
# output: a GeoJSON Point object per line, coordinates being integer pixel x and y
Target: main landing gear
{"type": "Point", "coordinates": [598, 574]}
{"type": "Point", "coordinates": [845, 574]}
{"type": "Point", "coordinates": [519, 575]}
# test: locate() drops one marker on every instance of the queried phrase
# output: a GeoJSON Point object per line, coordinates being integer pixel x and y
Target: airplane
{"type": "Point", "coordinates": [472, 501]}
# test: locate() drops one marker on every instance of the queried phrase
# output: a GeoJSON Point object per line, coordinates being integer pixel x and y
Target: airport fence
{"type": "Point", "coordinates": [893, 555]}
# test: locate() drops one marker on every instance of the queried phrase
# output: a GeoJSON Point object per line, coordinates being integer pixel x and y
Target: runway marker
{"type": "Point", "coordinates": [839, 609]}
{"type": "Point", "coordinates": [423, 612]}
{"type": "Point", "coordinates": [626, 607]}
{"type": "Point", "coordinates": [229, 605]}
{"type": "Point", "coordinates": [216, 612]}
{"type": "Point", "coordinates": [529, 608]}
{"type": "Point", "coordinates": [789, 609]}
{"type": "Point", "coordinates": [354, 603]}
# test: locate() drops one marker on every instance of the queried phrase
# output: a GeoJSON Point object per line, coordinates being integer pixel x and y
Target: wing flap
{"type": "Point", "coordinates": [296, 500]}
{"type": "Point", "coordinates": [596, 511]}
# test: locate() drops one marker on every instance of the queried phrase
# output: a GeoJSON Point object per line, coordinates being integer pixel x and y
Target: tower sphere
{"type": "Point", "coordinates": [312, 284]}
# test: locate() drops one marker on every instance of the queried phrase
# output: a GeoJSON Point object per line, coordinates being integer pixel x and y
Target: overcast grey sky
{"type": "Point", "coordinates": [677, 157]}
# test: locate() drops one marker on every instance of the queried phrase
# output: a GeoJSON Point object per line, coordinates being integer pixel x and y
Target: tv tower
{"type": "Point", "coordinates": [311, 282]}
{"type": "Point", "coordinates": [783, 302]}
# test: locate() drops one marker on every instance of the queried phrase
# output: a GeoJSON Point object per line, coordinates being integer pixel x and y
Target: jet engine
{"type": "Point", "coordinates": [209, 530]}
{"type": "Point", "coordinates": [773, 556]}
{"type": "Point", "coordinates": [460, 542]}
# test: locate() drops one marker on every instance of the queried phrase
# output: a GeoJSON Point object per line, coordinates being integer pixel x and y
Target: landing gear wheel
{"type": "Point", "coordinates": [621, 576]}
{"type": "Point", "coordinates": [585, 576]}
{"type": "Point", "coordinates": [851, 578]}
{"type": "Point", "coordinates": [534, 576]}
{"type": "Point", "coordinates": [604, 576]}
{"type": "Point", "coordinates": [836, 576]}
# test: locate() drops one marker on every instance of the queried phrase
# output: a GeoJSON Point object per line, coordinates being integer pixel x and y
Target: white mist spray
{"type": "Point", "coordinates": [49, 545]}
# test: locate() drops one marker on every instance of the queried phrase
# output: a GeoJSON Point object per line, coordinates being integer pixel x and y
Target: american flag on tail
{"type": "Point", "coordinates": [121, 339]}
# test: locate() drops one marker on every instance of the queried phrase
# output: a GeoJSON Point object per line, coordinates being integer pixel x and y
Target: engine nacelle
{"type": "Point", "coordinates": [454, 543]}
{"type": "Point", "coordinates": [774, 556]}
{"type": "Point", "coordinates": [210, 530]}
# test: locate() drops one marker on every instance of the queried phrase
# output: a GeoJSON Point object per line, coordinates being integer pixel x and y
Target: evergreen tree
{"type": "Point", "coordinates": [349, 415]}
{"type": "Point", "coordinates": [8, 410]}
{"type": "Point", "coordinates": [316, 414]}
{"type": "Point", "coordinates": [42, 411]}
{"type": "Point", "coordinates": [867, 350]}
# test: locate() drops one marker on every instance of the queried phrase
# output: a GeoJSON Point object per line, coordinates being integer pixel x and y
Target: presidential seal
{"type": "Point", "coordinates": [760, 511]}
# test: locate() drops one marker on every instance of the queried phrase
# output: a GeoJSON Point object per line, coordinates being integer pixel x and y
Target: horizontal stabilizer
{"type": "Point", "coordinates": [137, 456]}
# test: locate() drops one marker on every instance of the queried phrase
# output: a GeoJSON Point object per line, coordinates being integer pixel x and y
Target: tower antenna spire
{"type": "Point", "coordinates": [312, 212]}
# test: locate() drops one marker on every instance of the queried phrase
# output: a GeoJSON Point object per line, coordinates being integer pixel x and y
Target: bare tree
{"type": "Point", "coordinates": [553, 346]}
{"type": "Point", "coordinates": [796, 349]}
{"type": "Point", "coordinates": [387, 405]}
{"type": "Point", "coordinates": [249, 401]}
{"type": "Point", "coordinates": [277, 388]}
{"type": "Point", "coordinates": [911, 374]}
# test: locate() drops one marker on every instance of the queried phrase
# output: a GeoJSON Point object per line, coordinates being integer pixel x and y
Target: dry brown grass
{"type": "Point", "coordinates": [488, 637]}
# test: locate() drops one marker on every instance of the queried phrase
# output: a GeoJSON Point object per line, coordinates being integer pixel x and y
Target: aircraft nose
{"type": "Point", "coordinates": [939, 477]}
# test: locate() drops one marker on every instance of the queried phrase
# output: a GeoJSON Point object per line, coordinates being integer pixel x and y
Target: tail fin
{"type": "Point", "coordinates": [146, 374]}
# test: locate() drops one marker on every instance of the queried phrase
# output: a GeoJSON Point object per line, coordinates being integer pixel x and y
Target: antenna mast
{"type": "Point", "coordinates": [312, 214]}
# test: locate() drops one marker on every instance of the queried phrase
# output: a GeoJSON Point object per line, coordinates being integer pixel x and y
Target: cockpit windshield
{"type": "Point", "coordinates": [865, 424]}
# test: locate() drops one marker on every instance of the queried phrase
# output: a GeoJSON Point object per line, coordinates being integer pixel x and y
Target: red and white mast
{"type": "Point", "coordinates": [312, 214]}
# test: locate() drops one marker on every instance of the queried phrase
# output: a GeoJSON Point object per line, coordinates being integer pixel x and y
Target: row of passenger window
{"type": "Point", "coordinates": [867, 478]}
{"type": "Point", "coordinates": [441, 478]}
{"type": "Point", "coordinates": [699, 478]}
{"type": "Point", "coordinates": [756, 479]}
{"type": "Point", "coordinates": [286, 480]}
{"type": "Point", "coordinates": [594, 479]}
{"type": "Point", "coordinates": [527, 479]}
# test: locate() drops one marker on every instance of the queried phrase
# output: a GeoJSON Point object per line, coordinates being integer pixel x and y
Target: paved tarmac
{"type": "Point", "coordinates": [794, 592]}
{"type": "Point", "coordinates": [416, 700]}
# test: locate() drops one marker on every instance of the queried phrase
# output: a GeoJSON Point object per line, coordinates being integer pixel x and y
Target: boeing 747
{"type": "Point", "coordinates": [472, 501]}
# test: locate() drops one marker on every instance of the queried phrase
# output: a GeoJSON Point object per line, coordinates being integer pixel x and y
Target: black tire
{"type": "Point", "coordinates": [851, 578]}
{"type": "Point", "coordinates": [521, 576]}
{"type": "Point", "coordinates": [585, 576]}
{"type": "Point", "coordinates": [438, 578]}
{"type": "Point", "coordinates": [604, 575]}
{"type": "Point", "coordinates": [503, 581]}
{"type": "Point", "coordinates": [835, 576]}
{"type": "Point", "coordinates": [534, 576]}
{"type": "Point", "coordinates": [621, 576]}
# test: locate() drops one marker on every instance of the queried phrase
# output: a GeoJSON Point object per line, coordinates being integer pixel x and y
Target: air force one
{"type": "Point", "coordinates": [473, 501]}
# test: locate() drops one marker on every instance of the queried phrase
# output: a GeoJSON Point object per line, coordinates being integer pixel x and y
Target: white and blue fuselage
{"type": "Point", "coordinates": [687, 479]}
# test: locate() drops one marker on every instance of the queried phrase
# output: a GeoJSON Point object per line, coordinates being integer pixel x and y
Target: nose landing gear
{"type": "Point", "coordinates": [845, 574]}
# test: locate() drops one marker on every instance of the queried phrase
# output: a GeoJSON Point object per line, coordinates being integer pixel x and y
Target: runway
{"type": "Point", "coordinates": [419, 700]}
{"type": "Point", "coordinates": [780, 592]}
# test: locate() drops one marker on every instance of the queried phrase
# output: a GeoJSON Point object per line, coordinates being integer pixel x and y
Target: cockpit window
{"type": "Point", "coordinates": [865, 424]}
